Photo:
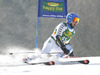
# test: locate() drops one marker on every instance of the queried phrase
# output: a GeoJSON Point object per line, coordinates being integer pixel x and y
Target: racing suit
{"type": "Point", "coordinates": [66, 33]}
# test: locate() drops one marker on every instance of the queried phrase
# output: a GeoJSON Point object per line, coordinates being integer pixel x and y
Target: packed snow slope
{"type": "Point", "coordinates": [13, 65]}
{"type": "Point", "coordinates": [15, 68]}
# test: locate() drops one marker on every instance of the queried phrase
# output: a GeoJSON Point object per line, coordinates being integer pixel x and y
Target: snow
{"type": "Point", "coordinates": [51, 70]}
{"type": "Point", "coordinates": [12, 65]}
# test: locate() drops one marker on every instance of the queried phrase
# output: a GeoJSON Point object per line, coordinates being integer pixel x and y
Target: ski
{"type": "Point", "coordinates": [74, 62]}
{"type": "Point", "coordinates": [79, 60]}
{"type": "Point", "coordinates": [45, 63]}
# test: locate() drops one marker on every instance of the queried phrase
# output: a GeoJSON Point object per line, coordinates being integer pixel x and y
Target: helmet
{"type": "Point", "coordinates": [72, 16]}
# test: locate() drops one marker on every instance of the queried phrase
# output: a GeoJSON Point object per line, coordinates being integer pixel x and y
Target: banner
{"type": "Point", "coordinates": [52, 8]}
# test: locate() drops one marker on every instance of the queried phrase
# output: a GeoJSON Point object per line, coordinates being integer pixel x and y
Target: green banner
{"type": "Point", "coordinates": [52, 6]}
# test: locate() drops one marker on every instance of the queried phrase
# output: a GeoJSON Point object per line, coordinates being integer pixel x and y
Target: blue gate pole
{"type": "Point", "coordinates": [37, 32]}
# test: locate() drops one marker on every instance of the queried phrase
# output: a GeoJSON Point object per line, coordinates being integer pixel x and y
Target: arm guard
{"type": "Point", "coordinates": [63, 47]}
{"type": "Point", "coordinates": [59, 40]}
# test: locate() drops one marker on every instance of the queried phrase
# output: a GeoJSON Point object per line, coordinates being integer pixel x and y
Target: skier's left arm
{"type": "Point", "coordinates": [62, 45]}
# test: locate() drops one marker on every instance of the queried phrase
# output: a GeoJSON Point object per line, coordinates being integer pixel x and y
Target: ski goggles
{"type": "Point", "coordinates": [76, 19]}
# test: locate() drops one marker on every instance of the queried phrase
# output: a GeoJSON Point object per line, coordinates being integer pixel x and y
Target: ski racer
{"type": "Point", "coordinates": [59, 41]}
{"type": "Point", "coordinates": [60, 38]}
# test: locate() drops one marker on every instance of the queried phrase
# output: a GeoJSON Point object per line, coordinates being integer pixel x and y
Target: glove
{"type": "Point", "coordinates": [65, 50]}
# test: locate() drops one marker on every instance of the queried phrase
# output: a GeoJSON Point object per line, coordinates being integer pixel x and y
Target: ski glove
{"type": "Point", "coordinates": [66, 51]}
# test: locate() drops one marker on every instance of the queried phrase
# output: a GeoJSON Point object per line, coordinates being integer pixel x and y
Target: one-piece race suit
{"type": "Point", "coordinates": [66, 33]}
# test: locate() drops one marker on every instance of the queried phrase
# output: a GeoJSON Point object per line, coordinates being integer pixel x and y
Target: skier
{"type": "Point", "coordinates": [60, 39]}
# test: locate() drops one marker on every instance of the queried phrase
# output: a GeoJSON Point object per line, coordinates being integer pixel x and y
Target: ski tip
{"type": "Point", "coordinates": [85, 62]}
{"type": "Point", "coordinates": [50, 63]}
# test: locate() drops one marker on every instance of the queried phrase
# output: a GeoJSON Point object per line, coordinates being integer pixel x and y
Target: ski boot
{"type": "Point", "coordinates": [67, 56]}
{"type": "Point", "coordinates": [25, 60]}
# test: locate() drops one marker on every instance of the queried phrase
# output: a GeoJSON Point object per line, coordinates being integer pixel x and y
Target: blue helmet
{"type": "Point", "coordinates": [71, 16]}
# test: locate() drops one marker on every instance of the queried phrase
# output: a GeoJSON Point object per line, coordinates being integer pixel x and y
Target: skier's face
{"type": "Point", "coordinates": [74, 23]}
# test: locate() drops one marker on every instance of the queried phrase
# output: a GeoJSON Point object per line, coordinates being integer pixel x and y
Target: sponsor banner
{"type": "Point", "coordinates": [52, 8]}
